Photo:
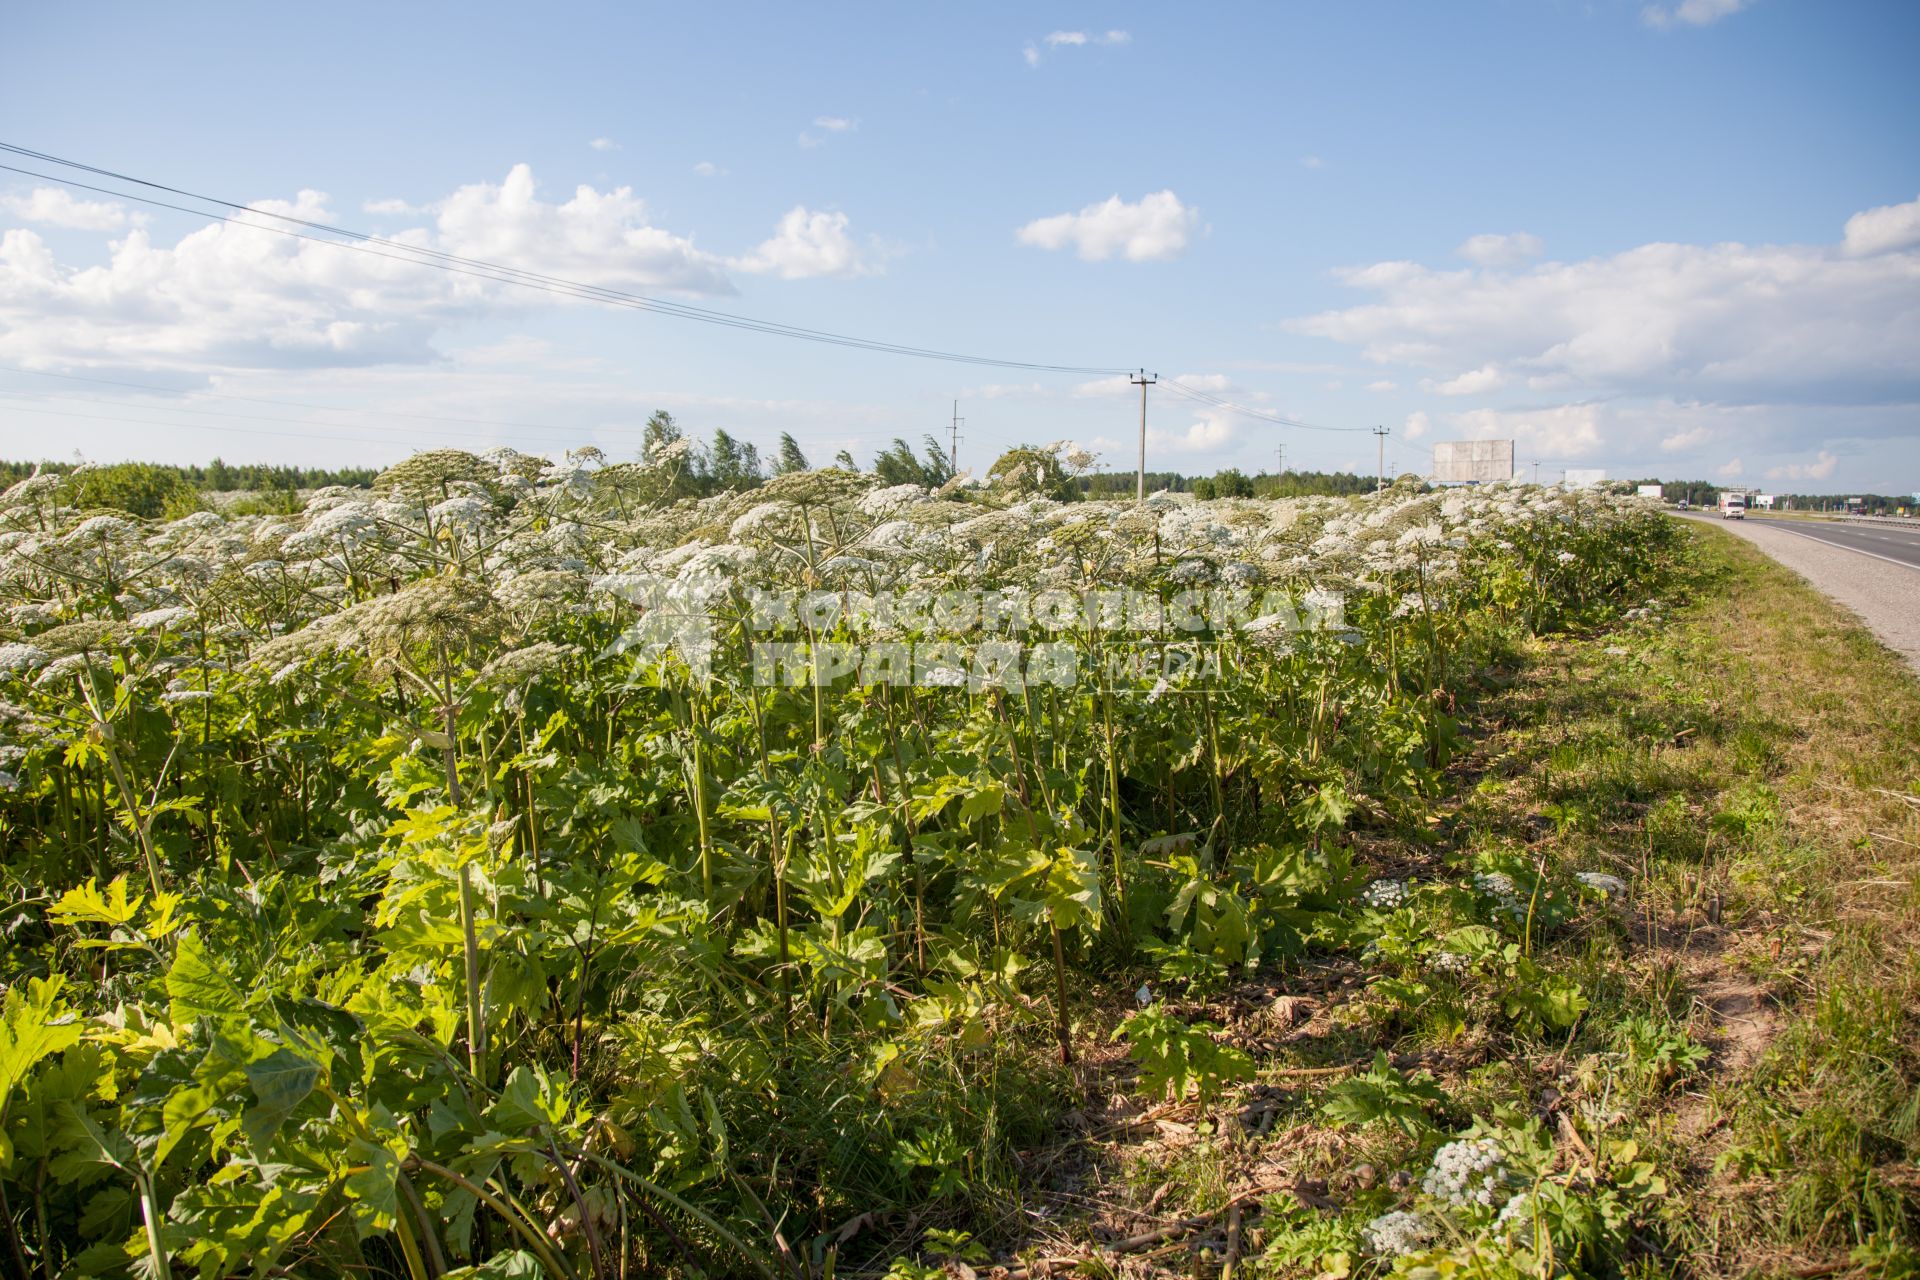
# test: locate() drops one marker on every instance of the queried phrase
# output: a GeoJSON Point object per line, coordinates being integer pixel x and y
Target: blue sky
{"type": "Point", "coordinates": [1617, 232]}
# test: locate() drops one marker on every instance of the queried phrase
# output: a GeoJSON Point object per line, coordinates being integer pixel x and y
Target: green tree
{"type": "Point", "coordinates": [140, 488]}
{"type": "Point", "coordinates": [733, 464]}
{"type": "Point", "coordinates": [897, 464]}
{"type": "Point", "coordinates": [1027, 469]}
{"type": "Point", "coordinates": [789, 458]}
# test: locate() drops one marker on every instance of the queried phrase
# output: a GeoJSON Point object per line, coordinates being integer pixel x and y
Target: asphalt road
{"type": "Point", "coordinates": [1898, 543]}
{"type": "Point", "coordinates": [1871, 570]}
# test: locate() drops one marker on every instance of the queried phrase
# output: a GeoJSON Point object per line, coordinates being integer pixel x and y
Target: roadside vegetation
{"type": "Point", "coordinates": [388, 894]}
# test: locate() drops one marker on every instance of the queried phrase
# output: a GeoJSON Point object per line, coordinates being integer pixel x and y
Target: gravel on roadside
{"type": "Point", "coordinates": [1885, 595]}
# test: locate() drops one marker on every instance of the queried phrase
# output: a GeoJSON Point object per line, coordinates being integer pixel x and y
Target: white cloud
{"type": "Point", "coordinates": [1728, 322]}
{"type": "Point", "coordinates": [1690, 13]}
{"type": "Point", "coordinates": [1731, 469]}
{"type": "Point", "coordinates": [1821, 468]}
{"type": "Point", "coordinates": [1474, 382]}
{"type": "Point", "coordinates": [808, 244]}
{"type": "Point", "coordinates": [1889, 227]}
{"type": "Point", "coordinates": [1683, 441]}
{"type": "Point", "coordinates": [604, 144]}
{"type": "Point", "coordinates": [1501, 250]}
{"type": "Point", "coordinates": [1210, 430]}
{"type": "Point", "coordinates": [57, 207]}
{"type": "Point", "coordinates": [391, 207]}
{"type": "Point", "coordinates": [708, 169]}
{"type": "Point", "coordinates": [1311, 162]}
{"type": "Point", "coordinates": [1072, 40]}
{"type": "Point", "coordinates": [232, 297]}
{"type": "Point", "coordinates": [1155, 228]}
{"type": "Point", "coordinates": [1416, 425]}
{"type": "Point", "coordinates": [600, 237]}
{"type": "Point", "coordinates": [1383, 384]}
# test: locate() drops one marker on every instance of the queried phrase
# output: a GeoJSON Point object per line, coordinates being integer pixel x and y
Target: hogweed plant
{"type": "Point", "coordinates": [543, 870]}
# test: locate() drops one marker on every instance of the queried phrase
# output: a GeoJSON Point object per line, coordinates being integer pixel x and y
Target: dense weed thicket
{"type": "Point", "coordinates": [433, 882]}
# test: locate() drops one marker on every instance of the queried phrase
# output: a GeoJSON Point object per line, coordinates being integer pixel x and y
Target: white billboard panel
{"type": "Point", "coordinates": [1650, 491]}
{"type": "Point", "coordinates": [1472, 461]}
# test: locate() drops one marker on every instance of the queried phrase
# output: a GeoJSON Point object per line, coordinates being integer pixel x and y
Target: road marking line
{"type": "Point", "coordinates": [1844, 547]}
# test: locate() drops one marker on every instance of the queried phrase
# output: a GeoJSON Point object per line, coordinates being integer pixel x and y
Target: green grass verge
{"type": "Point", "coordinates": [1740, 1095]}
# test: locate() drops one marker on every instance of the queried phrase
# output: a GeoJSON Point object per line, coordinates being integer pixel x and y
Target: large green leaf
{"type": "Point", "coordinates": [197, 987]}
{"type": "Point", "coordinates": [280, 1081]}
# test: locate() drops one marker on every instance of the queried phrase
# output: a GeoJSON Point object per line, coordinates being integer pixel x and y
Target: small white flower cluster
{"type": "Point", "coordinates": [1395, 1233]}
{"type": "Point", "coordinates": [22, 657]}
{"type": "Point", "coordinates": [1612, 886]}
{"type": "Point", "coordinates": [1470, 1171]}
{"type": "Point", "coordinates": [179, 690]}
{"type": "Point", "coordinates": [1499, 886]}
{"type": "Point", "coordinates": [1385, 895]}
{"type": "Point", "coordinates": [161, 619]}
{"type": "Point", "coordinates": [1514, 1214]}
{"type": "Point", "coordinates": [1449, 962]}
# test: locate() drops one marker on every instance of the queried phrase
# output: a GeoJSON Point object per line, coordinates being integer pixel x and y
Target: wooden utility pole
{"type": "Point", "coordinates": [1380, 477]}
{"type": "Point", "coordinates": [1143, 381]}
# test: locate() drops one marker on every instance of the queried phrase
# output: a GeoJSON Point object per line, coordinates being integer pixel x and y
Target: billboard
{"type": "Point", "coordinates": [1650, 491]}
{"type": "Point", "coordinates": [1584, 479]}
{"type": "Point", "coordinates": [1472, 461]}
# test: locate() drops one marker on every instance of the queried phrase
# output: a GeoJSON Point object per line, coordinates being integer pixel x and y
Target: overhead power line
{"type": "Point", "coordinates": [376, 246]}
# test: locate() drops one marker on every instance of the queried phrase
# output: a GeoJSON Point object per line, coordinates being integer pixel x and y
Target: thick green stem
{"type": "Point", "coordinates": [150, 1212]}
{"type": "Point", "coordinates": [476, 1018]}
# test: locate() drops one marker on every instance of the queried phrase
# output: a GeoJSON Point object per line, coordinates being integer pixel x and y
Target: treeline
{"type": "Point", "coordinates": [1231, 483]}
{"type": "Point", "coordinates": [1705, 493]}
{"type": "Point", "coordinates": [153, 489]}
{"type": "Point", "coordinates": [723, 463]}
{"type": "Point", "coordinates": [726, 463]}
{"type": "Point", "coordinates": [222, 477]}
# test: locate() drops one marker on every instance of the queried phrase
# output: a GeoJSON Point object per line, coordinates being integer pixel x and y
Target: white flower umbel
{"type": "Point", "coordinates": [1395, 1233]}
{"type": "Point", "coordinates": [1499, 886]}
{"type": "Point", "coordinates": [1385, 894]}
{"type": "Point", "coordinates": [1612, 886]}
{"type": "Point", "coordinates": [1469, 1171]}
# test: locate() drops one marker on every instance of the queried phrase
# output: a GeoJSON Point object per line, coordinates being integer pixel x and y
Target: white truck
{"type": "Point", "coordinates": [1733, 506]}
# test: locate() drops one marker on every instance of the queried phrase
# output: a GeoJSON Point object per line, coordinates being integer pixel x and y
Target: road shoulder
{"type": "Point", "coordinates": [1883, 594]}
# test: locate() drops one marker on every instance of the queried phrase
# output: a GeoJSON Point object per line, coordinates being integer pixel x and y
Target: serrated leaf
{"type": "Point", "coordinates": [196, 986]}
{"type": "Point", "coordinates": [280, 1081]}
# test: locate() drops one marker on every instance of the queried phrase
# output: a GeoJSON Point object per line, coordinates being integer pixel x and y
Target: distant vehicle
{"type": "Point", "coordinates": [1733, 506]}
{"type": "Point", "coordinates": [1856, 506]}
{"type": "Point", "coordinates": [1683, 504]}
